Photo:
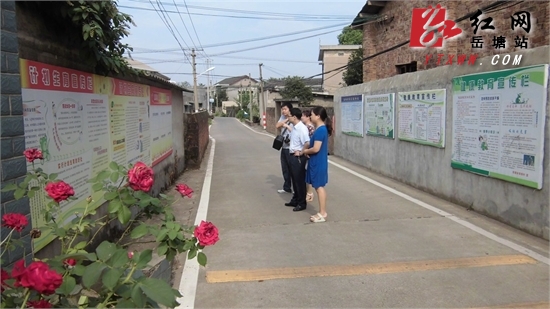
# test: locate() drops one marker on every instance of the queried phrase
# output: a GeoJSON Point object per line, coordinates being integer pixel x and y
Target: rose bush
{"type": "Point", "coordinates": [83, 275]}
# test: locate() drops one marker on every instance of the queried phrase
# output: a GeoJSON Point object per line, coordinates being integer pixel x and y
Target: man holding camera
{"type": "Point", "coordinates": [286, 127]}
{"type": "Point", "coordinates": [297, 160]}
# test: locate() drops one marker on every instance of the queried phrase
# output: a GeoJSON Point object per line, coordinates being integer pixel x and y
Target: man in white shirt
{"type": "Point", "coordinates": [286, 127]}
{"type": "Point", "coordinates": [297, 160]}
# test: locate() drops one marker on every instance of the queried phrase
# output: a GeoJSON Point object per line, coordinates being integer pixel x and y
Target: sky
{"type": "Point", "coordinates": [205, 25]}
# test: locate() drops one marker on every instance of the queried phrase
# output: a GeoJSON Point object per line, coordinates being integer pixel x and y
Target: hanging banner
{"type": "Point", "coordinates": [352, 115]}
{"type": "Point", "coordinates": [379, 115]}
{"type": "Point", "coordinates": [421, 117]}
{"type": "Point", "coordinates": [498, 124]}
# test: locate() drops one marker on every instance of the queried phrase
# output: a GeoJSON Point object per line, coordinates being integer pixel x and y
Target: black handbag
{"type": "Point", "coordinates": [279, 141]}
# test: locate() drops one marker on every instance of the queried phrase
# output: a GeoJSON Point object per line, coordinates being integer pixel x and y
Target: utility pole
{"type": "Point", "coordinates": [195, 92]}
{"type": "Point", "coordinates": [261, 98]}
{"type": "Point", "coordinates": [250, 96]}
{"type": "Point", "coordinates": [208, 108]}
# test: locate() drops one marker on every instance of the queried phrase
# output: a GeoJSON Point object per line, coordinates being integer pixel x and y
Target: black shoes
{"type": "Point", "coordinates": [299, 208]}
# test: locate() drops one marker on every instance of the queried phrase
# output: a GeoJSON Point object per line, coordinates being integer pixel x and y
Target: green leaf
{"type": "Point", "coordinates": [103, 175]}
{"type": "Point", "coordinates": [92, 273]}
{"type": "Point", "coordinates": [67, 286]}
{"type": "Point", "coordinates": [120, 258]}
{"type": "Point", "coordinates": [80, 245]}
{"type": "Point", "coordinates": [162, 249]}
{"type": "Point", "coordinates": [201, 258]}
{"type": "Point", "coordinates": [114, 177]}
{"type": "Point", "coordinates": [140, 231]}
{"type": "Point", "coordinates": [114, 206]}
{"type": "Point", "coordinates": [61, 232]}
{"type": "Point", "coordinates": [159, 291]}
{"type": "Point", "coordinates": [105, 250]}
{"type": "Point", "coordinates": [97, 186]}
{"type": "Point", "coordinates": [10, 187]}
{"type": "Point", "coordinates": [53, 176]}
{"type": "Point", "coordinates": [126, 303]}
{"type": "Point", "coordinates": [138, 297]}
{"type": "Point", "coordinates": [144, 257]}
{"type": "Point", "coordinates": [110, 279]}
{"type": "Point", "coordinates": [31, 194]}
{"type": "Point", "coordinates": [19, 193]}
{"type": "Point", "coordinates": [79, 270]}
{"type": "Point", "coordinates": [113, 165]}
{"type": "Point", "coordinates": [124, 214]}
{"type": "Point", "coordinates": [111, 195]}
{"type": "Point", "coordinates": [162, 233]}
{"type": "Point", "coordinates": [172, 234]}
{"type": "Point", "coordinates": [192, 253]}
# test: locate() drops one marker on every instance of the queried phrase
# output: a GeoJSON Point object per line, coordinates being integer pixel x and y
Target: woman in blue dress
{"type": "Point", "coordinates": [317, 150]}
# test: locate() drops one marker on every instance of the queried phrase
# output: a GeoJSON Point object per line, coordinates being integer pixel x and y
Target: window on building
{"type": "Point", "coordinates": [406, 68]}
{"type": "Point", "coordinates": [340, 54]}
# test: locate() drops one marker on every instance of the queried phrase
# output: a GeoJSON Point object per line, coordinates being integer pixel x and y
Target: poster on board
{"type": "Point", "coordinates": [498, 124]}
{"type": "Point", "coordinates": [352, 115]}
{"type": "Point", "coordinates": [81, 122]}
{"type": "Point", "coordinates": [379, 115]}
{"type": "Point", "coordinates": [421, 117]}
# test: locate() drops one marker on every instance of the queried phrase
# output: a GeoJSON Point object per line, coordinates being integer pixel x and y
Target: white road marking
{"type": "Point", "coordinates": [452, 217]}
{"type": "Point", "coordinates": [190, 274]}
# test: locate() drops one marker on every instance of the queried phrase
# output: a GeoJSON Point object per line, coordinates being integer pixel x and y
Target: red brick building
{"type": "Point", "coordinates": [387, 24]}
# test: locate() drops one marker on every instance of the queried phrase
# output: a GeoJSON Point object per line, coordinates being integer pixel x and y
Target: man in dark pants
{"type": "Point", "coordinates": [285, 127]}
{"type": "Point", "coordinates": [297, 161]}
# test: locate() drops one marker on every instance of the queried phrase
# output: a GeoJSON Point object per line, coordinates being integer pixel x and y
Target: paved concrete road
{"type": "Point", "coordinates": [379, 248]}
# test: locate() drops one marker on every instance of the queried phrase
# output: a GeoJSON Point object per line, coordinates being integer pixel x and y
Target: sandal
{"type": "Point", "coordinates": [318, 218]}
{"type": "Point", "coordinates": [309, 197]}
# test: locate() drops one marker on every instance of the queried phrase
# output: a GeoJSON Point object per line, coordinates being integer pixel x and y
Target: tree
{"type": "Point", "coordinates": [350, 36]}
{"type": "Point", "coordinates": [354, 74]}
{"type": "Point", "coordinates": [296, 88]}
{"type": "Point", "coordinates": [185, 84]}
{"type": "Point", "coordinates": [221, 94]}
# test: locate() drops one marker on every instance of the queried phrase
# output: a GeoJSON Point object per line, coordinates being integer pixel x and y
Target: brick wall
{"type": "Point", "coordinates": [271, 120]}
{"type": "Point", "coordinates": [12, 137]}
{"type": "Point", "coordinates": [196, 138]}
{"type": "Point", "coordinates": [381, 36]}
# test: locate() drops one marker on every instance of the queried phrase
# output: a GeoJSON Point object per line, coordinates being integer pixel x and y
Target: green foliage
{"type": "Point", "coordinates": [96, 27]}
{"type": "Point", "coordinates": [221, 95]}
{"type": "Point", "coordinates": [295, 87]}
{"type": "Point", "coordinates": [350, 36]}
{"type": "Point", "coordinates": [354, 73]}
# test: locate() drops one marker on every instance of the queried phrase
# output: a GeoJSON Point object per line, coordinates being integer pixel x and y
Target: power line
{"type": "Point", "coordinates": [210, 9]}
{"type": "Point", "coordinates": [193, 24]}
{"type": "Point", "coordinates": [489, 7]}
{"type": "Point", "coordinates": [282, 18]}
{"type": "Point", "coordinates": [146, 51]}
{"type": "Point", "coordinates": [273, 44]}
{"type": "Point", "coordinates": [185, 26]}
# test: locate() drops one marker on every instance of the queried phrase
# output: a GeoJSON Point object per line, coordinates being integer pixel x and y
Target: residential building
{"type": "Point", "coordinates": [388, 24]}
{"type": "Point", "coordinates": [273, 87]}
{"type": "Point", "coordinates": [333, 57]}
{"type": "Point", "coordinates": [234, 86]}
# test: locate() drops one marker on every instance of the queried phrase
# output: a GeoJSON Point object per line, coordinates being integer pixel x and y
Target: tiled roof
{"type": "Point", "coordinates": [233, 80]}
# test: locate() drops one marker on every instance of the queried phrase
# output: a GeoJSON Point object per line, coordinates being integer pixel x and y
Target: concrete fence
{"type": "Point", "coordinates": [429, 168]}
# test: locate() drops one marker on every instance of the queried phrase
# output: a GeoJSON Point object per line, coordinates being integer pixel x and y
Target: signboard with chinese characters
{"type": "Point", "coordinates": [379, 115]}
{"type": "Point", "coordinates": [352, 115]}
{"type": "Point", "coordinates": [421, 117]}
{"type": "Point", "coordinates": [498, 124]}
{"type": "Point", "coordinates": [161, 124]}
{"type": "Point", "coordinates": [81, 122]}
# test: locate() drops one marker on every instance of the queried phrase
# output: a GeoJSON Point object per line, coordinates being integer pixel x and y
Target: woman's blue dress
{"type": "Point", "coordinates": [317, 168]}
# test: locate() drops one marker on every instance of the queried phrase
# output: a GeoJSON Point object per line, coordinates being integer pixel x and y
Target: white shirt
{"type": "Point", "coordinates": [298, 137]}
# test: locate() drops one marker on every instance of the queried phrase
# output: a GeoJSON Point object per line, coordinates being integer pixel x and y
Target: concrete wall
{"type": "Point", "coordinates": [29, 35]}
{"type": "Point", "coordinates": [12, 139]}
{"type": "Point", "coordinates": [378, 37]}
{"type": "Point", "coordinates": [429, 168]}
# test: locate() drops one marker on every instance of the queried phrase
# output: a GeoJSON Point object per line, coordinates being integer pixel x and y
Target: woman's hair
{"type": "Point", "coordinates": [306, 113]}
{"type": "Point", "coordinates": [322, 113]}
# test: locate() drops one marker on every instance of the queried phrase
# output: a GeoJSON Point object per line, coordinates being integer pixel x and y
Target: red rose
{"type": "Point", "coordinates": [39, 304]}
{"type": "Point", "coordinates": [69, 263]}
{"type": "Point", "coordinates": [15, 221]}
{"type": "Point", "coordinates": [59, 190]}
{"type": "Point", "coordinates": [3, 277]}
{"type": "Point", "coordinates": [206, 233]}
{"type": "Point", "coordinates": [140, 177]}
{"type": "Point", "coordinates": [38, 276]}
{"type": "Point", "coordinates": [33, 154]}
{"type": "Point", "coordinates": [184, 190]}
{"type": "Point", "coordinates": [130, 254]}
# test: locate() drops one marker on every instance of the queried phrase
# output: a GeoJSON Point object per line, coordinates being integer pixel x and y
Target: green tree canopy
{"type": "Point", "coordinates": [296, 88]}
{"type": "Point", "coordinates": [354, 73]}
{"type": "Point", "coordinates": [350, 36]}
